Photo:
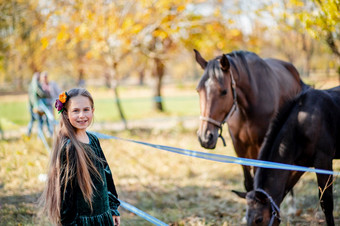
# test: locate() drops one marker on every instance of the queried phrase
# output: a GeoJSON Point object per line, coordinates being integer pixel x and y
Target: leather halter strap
{"type": "Point", "coordinates": [274, 207]}
{"type": "Point", "coordinates": [212, 121]}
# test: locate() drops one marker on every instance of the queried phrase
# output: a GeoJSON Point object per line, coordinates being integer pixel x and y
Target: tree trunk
{"type": "Point", "coordinates": [120, 109]}
{"type": "Point", "coordinates": [334, 47]}
{"type": "Point", "coordinates": [308, 49]}
{"type": "Point", "coordinates": [158, 73]}
{"type": "Point", "coordinates": [114, 85]}
{"type": "Point", "coordinates": [141, 76]}
{"type": "Point", "coordinates": [81, 78]}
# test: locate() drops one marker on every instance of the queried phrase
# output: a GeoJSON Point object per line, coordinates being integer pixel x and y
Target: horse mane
{"type": "Point", "coordinates": [213, 68]}
{"type": "Point", "coordinates": [277, 123]}
{"type": "Point", "coordinates": [241, 55]}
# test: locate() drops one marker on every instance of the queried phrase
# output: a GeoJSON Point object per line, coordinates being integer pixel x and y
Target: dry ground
{"type": "Point", "coordinates": [176, 189]}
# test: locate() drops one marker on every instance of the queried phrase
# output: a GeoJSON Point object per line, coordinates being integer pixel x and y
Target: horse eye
{"type": "Point", "coordinates": [223, 92]}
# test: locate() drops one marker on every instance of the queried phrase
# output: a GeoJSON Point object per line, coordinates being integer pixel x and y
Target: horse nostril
{"type": "Point", "coordinates": [259, 220]}
{"type": "Point", "coordinates": [210, 136]}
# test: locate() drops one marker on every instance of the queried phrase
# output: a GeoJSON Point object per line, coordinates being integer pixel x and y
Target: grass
{"type": "Point", "coordinates": [14, 113]}
{"type": "Point", "coordinates": [136, 104]}
{"type": "Point", "coordinates": [176, 189]}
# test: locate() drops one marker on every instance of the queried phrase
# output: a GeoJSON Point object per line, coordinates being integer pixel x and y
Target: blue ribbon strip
{"type": "Point", "coordinates": [140, 213]}
{"type": "Point", "coordinates": [225, 158]}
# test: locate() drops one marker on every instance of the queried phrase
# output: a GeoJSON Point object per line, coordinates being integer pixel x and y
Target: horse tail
{"type": "Point", "coordinates": [291, 68]}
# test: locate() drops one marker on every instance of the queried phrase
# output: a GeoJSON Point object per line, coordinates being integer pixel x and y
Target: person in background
{"type": "Point", "coordinates": [80, 189]}
{"type": "Point", "coordinates": [53, 89]}
{"type": "Point", "coordinates": [35, 94]}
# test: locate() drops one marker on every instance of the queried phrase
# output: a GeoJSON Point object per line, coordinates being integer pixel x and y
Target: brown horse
{"type": "Point", "coordinates": [245, 91]}
{"type": "Point", "coordinates": [305, 132]}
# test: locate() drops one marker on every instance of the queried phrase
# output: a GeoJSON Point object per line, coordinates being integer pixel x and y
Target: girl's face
{"type": "Point", "coordinates": [80, 113]}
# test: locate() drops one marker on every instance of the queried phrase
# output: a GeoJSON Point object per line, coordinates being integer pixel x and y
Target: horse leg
{"type": "Point", "coordinates": [293, 179]}
{"type": "Point", "coordinates": [326, 196]}
{"type": "Point", "coordinates": [248, 178]}
{"type": "Point", "coordinates": [244, 151]}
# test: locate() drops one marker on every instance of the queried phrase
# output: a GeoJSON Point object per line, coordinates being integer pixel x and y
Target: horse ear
{"type": "Point", "coordinates": [200, 59]}
{"type": "Point", "coordinates": [240, 194]}
{"type": "Point", "coordinates": [224, 62]}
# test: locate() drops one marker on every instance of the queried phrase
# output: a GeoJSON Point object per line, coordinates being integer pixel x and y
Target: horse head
{"type": "Point", "coordinates": [217, 95]}
{"type": "Point", "coordinates": [261, 209]}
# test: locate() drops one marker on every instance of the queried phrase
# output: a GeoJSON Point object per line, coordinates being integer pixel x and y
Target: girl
{"type": "Point", "coordinates": [80, 189]}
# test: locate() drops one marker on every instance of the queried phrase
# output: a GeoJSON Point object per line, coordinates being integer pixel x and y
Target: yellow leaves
{"type": "Point", "coordinates": [136, 29]}
{"type": "Point", "coordinates": [220, 44]}
{"type": "Point", "coordinates": [234, 32]}
{"type": "Point", "coordinates": [89, 55]}
{"type": "Point", "coordinates": [217, 13]}
{"type": "Point", "coordinates": [81, 29]}
{"type": "Point", "coordinates": [44, 42]}
{"type": "Point", "coordinates": [181, 8]}
{"type": "Point", "coordinates": [90, 16]}
{"type": "Point", "coordinates": [160, 34]}
{"type": "Point", "coordinates": [111, 22]}
{"type": "Point", "coordinates": [62, 34]}
{"type": "Point", "coordinates": [295, 3]}
{"type": "Point", "coordinates": [322, 20]}
{"type": "Point", "coordinates": [128, 22]}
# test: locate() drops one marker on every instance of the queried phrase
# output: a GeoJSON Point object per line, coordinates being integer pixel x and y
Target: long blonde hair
{"type": "Point", "coordinates": [77, 164]}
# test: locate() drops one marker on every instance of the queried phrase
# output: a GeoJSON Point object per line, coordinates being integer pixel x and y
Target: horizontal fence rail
{"type": "Point", "coordinates": [142, 214]}
{"type": "Point", "coordinates": [212, 157]}
{"type": "Point", "coordinates": [223, 158]}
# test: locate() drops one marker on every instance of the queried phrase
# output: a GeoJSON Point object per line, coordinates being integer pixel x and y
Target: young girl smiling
{"type": "Point", "coordinates": [80, 189]}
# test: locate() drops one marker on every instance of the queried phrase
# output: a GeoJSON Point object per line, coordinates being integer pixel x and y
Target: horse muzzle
{"type": "Point", "coordinates": [208, 139]}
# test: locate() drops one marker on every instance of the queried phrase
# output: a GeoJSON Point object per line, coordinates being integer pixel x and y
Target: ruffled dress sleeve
{"type": "Point", "coordinates": [111, 188]}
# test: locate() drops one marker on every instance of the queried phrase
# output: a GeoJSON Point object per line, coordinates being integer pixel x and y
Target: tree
{"type": "Point", "coordinates": [295, 36]}
{"type": "Point", "coordinates": [23, 48]}
{"type": "Point", "coordinates": [322, 20]}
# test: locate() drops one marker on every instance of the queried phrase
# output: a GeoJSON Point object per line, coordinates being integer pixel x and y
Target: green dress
{"type": "Point", "coordinates": [74, 209]}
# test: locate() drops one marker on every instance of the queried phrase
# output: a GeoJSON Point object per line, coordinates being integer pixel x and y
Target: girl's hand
{"type": "Point", "coordinates": [116, 220]}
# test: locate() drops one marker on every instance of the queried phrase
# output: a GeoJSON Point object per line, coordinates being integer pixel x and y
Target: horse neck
{"type": "Point", "coordinates": [245, 92]}
{"type": "Point", "coordinates": [275, 181]}
{"type": "Point", "coordinates": [272, 181]}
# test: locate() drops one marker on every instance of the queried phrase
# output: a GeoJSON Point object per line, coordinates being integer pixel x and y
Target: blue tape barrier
{"type": "Point", "coordinates": [43, 139]}
{"type": "Point", "coordinates": [224, 158]}
{"type": "Point", "coordinates": [142, 214]}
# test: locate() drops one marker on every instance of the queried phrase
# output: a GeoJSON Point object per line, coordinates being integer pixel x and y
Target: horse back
{"type": "Point", "coordinates": [269, 84]}
{"type": "Point", "coordinates": [307, 126]}
{"type": "Point", "coordinates": [280, 64]}
{"type": "Point", "coordinates": [318, 119]}
{"type": "Point", "coordinates": [284, 71]}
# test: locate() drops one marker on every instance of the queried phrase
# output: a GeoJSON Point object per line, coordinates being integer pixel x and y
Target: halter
{"type": "Point", "coordinates": [274, 207]}
{"type": "Point", "coordinates": [231, 112]}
